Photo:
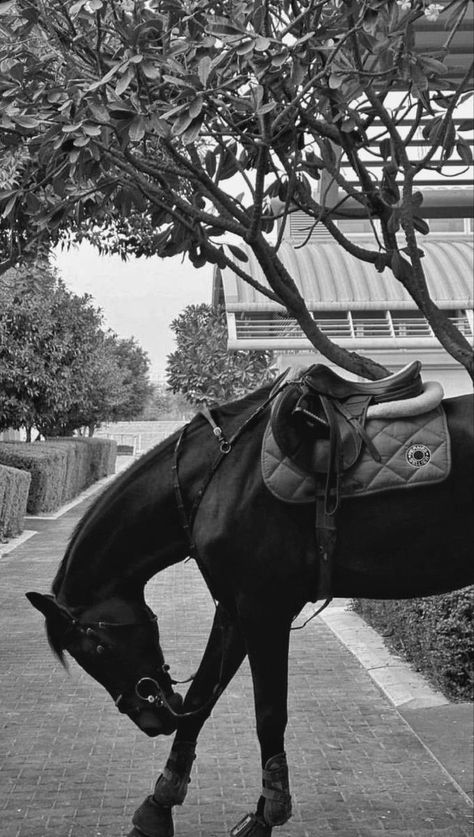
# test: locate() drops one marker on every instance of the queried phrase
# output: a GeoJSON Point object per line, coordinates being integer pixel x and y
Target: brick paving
{"type": "Point", "coordinates": [72, 766]}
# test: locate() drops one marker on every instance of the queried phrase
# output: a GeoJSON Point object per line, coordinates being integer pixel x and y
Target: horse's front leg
{"type": "Point", "coordinates": [222, 657]}
{"type": "Point", "coordinates": [267, 631]}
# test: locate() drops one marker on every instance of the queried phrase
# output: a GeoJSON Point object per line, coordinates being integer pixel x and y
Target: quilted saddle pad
{"type": "Point", "coordinates": [415, 451]}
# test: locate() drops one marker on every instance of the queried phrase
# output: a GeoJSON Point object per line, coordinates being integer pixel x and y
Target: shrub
{"type": "Point", "coordinates": [102, 454]}
{"type": "Point", "coordinates": [434, 634]}
{"type": "Point", "coordinates": [14, 488]}
{"type": "Point", "coordinates": [60, 468]}
{"type": "Point", "coordinates": [47, 466]}
{"type": "Point", "coordinates": [78, 474]}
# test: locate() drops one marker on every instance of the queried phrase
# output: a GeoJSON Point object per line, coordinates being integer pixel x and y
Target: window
{"type": "Point", "coordinates": [371, 323]}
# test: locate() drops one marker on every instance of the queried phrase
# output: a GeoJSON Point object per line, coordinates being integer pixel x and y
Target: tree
{"type": "Point", "coordinates": [134, 365]}
{"type": "Point", "coordinates": [165, 405]}
{"type": "Point", "coordinates": [46, 342]}
{"type": "Point", "coordinates": [202, 368]}
{"type": "Point", "coordinates": [157, 126]}
{"type": "Point", "coordinates": [114, 387]}
{"type": "Point", "coordinates": [58, 369]}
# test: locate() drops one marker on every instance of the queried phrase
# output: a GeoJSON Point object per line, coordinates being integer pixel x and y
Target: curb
{"type": "Point", "coordinates": [404, 687]}
{"type": "Point", "coordinates": [12, 544]}
{"type": "Point", "coordinates": [429, 715]}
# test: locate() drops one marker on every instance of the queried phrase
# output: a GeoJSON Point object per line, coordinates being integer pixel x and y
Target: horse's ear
{"type": "Point", "coordinates": [57, 621]}
{"type": "Point", "coordinates": [45, 604]}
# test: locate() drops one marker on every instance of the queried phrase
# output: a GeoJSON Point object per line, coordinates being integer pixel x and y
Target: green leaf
{"type": "Point", "coordinates": [204, 69]}
{"type": "Point", "coordinates": [108, 76]}
{"type": "Point", "coordinates": [210, 163]}
{"type": "Point", "coordinates": [137, 129]}
{"type": "Point", "coordinates": [432, 65]}
{"type": "Point", "coordinates": [385, 148]}
{"type": "Point", "coordinates": [191, 134]}
{"type": "Point", "coordinates": [239, 254]}
{"type": "Point", "coordinates": [466, 125]}
{"type": "Point", "coordinates": [465, 152]}
{"type": "Point", "coordinates": [98, 110]}
{"type": "Point", "coordinates": [124, 81]}
{"type": "Point", "coordinates": [10, 206]}
{"type": "Point", "coordinates": [182, 123]}
{"type": "Point", "coordinates": [262, 43]}
{"type": "Point", "coordinates": [222, 27]}
{"type": "Point", "coordinates": [421, 225]}
{"type": "Point", "coordinates": [160, 126]}
{"type": "Point", "coordinates": [195, 107]}
{"type": "Point", "coordinates": [150, 70]}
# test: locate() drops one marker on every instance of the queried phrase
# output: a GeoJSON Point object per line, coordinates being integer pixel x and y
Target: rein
{"type": "Point", "coordinates": [188, 519]}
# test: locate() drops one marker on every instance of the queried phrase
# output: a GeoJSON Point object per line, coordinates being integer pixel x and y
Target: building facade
{"type": "Point", "coordinates": [356, 306]}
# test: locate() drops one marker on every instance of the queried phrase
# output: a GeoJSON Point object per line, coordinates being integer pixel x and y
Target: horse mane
{"type": "Point", "coordinates": [225, 412]}
{"type": "Point", "coordinates": [234, 409]}
{"type": "Point", "coordinates": [119, 484]}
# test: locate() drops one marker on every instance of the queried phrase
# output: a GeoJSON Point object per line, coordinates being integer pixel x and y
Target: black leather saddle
{"type": "Point", "coordinates": [318, 420]}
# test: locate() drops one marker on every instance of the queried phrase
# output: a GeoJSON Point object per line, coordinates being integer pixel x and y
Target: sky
{"type": "Point", "coordinates": [138, 298]}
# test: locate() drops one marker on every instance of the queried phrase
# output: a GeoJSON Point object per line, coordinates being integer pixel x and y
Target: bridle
{"type": "Point", "coordinates": [90, 629]}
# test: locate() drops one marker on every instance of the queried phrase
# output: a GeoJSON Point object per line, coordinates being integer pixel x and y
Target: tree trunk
{"type": "Point", "coordinates": [282, 284]}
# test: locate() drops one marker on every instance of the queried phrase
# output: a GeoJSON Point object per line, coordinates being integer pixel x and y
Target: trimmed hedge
{"type": "Point", "coordinates": [102, 454]}
{"type": "Point", "coordinates": [89, 460]}
{"type": "Point", "coordinates": [47, 466]}
{"type": "Point", "coordinates": [435, 634]}
{"type": "Point", "coordinates": [14, 488]}
{"type": "Point", "coordinates": [60, 468]}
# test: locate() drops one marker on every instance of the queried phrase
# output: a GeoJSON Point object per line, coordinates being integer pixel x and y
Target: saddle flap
{"type": "Point", "coordinates": [303, 422]}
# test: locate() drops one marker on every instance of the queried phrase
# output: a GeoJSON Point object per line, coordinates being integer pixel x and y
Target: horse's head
{"type": "Point", "coordinates": [118, 645]}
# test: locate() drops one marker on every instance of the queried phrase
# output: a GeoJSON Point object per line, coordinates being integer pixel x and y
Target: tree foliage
{"type": "Point", "coordinates": [59, 370]}
{"type": "Point", "coordinates": [203, 369]}
{"type": "Point", "coordinates": [158, 126]}
{"type": "Point", "coordinates": [165, 405]}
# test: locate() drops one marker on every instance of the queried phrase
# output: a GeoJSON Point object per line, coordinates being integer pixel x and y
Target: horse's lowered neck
{"type": "Point", "coordinates": [120, 548]}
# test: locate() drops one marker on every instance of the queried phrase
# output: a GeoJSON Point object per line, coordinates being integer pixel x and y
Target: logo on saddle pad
{"type": "Point", "coordinates": [418, 455]}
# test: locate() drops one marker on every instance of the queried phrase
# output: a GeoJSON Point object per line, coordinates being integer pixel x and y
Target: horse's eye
{"type": "Point", "coordinates": [100, 649]}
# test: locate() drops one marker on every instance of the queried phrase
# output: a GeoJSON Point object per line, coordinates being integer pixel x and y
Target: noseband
{"type": "Point", "coordinates": [91, 631]}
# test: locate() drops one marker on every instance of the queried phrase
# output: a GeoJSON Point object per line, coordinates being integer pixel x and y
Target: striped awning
{"type": "Point", "coordinates": [330, 279]}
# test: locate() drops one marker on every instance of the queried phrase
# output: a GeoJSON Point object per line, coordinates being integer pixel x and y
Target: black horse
{"type": "Point", "coordinates": [201, 492]}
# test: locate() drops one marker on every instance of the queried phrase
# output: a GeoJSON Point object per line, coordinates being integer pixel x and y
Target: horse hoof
{"type": "Point", "coordinates": [137, 832]}
{"type": "Point", "coordinates": [251, 826]}
{"type": "Point", "coordinates": [152, 820]}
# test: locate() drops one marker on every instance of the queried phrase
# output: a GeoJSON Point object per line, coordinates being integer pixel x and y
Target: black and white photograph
{"type": "Point", "coordinates": [236, 418]}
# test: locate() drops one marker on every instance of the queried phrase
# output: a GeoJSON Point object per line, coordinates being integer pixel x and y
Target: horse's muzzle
{"type": "Point", "coordinates": [156, 720]}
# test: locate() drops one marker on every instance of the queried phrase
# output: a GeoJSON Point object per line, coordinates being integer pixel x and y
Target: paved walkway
{"type": "Point", "coordinates": [72, 766]}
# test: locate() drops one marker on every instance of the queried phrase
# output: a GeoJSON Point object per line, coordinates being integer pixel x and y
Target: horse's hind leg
{"type": "Point", "coordinates": [222, 657]}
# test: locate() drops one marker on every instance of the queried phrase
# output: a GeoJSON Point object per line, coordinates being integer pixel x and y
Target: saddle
{"type": "Point", "coordinates": [318, 423]}
{"type": "Point", "coordinates": [318, 420]}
